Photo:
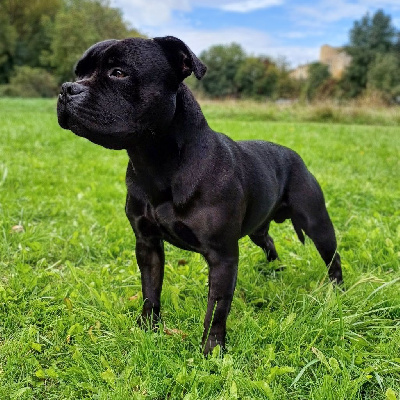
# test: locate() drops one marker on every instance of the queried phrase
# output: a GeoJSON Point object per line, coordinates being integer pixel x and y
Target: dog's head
{"type": "Point", "coordinates": [126, 89]}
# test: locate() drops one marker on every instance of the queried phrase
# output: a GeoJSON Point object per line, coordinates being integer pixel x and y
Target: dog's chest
{"type": "Point", "coordinates": [163, 221]}
{"type": "Point", "coordinates": [174, 229]}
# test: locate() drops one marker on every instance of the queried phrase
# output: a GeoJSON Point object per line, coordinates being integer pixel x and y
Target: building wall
{"type": "Point", "coordinates": [301, 72]}
{"type": "Point", "coordinates": [336, 59]}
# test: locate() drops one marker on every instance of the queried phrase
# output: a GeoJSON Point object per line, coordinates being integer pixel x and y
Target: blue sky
{"type": "Point", "coordinates": [278, 28]}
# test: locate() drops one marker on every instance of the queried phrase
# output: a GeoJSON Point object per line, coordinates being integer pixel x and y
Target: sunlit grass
{"type": "Point", "coordinates": [70, 286]}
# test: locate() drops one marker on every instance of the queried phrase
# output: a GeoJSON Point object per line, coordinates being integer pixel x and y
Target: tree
{"type": "Point", "coordinates": [383, 75]}
{"type": "Point", "coordinates": [8, 39]}
{"type": "Point", "coordinates": [286, 87]}
{"type": "Point", "coordinates": [223, 63]}
{"type": "Point", "coordinates": [368, 37]}
{"type": "Point", "coordinates": [21, 33]}
{"type": "Point", "coordinates": [53, 34]}
{"type": "Point", "coordinates": [77, 26]}
{"type": "Point", "coordinates": [318, 74]}
{"type": "Point", "coordinates": [256, 77]}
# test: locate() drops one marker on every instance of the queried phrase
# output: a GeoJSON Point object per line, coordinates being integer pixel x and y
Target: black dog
{"type": "Point", "coordinates": [187, 184]}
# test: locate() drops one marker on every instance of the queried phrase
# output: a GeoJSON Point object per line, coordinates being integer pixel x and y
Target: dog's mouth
{"type": "Point", "coordinates": [62, 115]}
{"type": "Point", "coordinates": [84, 123]}
{"type": "Point", "coordinates": [114, 141]}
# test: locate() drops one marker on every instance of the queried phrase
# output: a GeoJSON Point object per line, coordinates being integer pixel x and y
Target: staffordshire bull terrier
{"type": "Point", "coordinates": [187, 184]}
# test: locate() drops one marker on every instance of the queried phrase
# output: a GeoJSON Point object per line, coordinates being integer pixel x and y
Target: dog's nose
{"type": "Point", "coordinates": [71, 89]}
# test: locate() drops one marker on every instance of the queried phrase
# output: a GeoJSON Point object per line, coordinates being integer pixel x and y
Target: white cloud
{"type": "Point", "coordinates": [142, 15]}
{"type": "Point", "coordinates": [327, 11]}
{"type": "Point", "coordinates": [150, 12]}
{"type": "Point", "coordinates": [249, 5]}
{"type": "Point", "coordinates": [253, 41]}
{"type": "Point", "coordinates": [154, 12]}
{"type": "Point", "coordinates": [305, 20]}
{"type": "Point", "coordinates": [305, 33]}
{"type": "Point", "coordinates": [296, 55]}
{"type": "Point", "coordinates": [381, 4]}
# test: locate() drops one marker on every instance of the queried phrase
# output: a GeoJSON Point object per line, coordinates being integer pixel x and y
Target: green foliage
{"type": "Point", "coordinates": [231, 73]}
{"type": "Point", "coordinates": [287, 88]}
{"type": "Point", "coordinates": [8, 39]}
{"type": "Point", "coordinates": [30, 82]}
{"type": "Point", "coordinates": [70, 285]}
{"type": "Point", "coordinates": [77, 26]}
{"type": "Point", "coordinates": [53, 34]}
{"type": "Point", "coordinates": [383, 75]}
{"type": "Point", "coordinates": [368, 38]}
{"type": "Point", "coordinates": [22, 31]}
{"type": "Point", "coordinates": [376, 33]}
{"type": "Point", "coordinates": [256, 77]}
{"type": "Point", "coordinates": [318, 74]}
{"type": "Point", "coordinates": [223, 63]}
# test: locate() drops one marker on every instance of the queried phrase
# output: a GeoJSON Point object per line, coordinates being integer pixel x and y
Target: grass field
{"type": "Point", "coordinates": [70, 285]}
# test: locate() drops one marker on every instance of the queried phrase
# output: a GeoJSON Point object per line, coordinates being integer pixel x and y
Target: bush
{"type": "Point", "coordinates": [318, 74]}
{"type": "Point", "coordinates": [383, 75]}
{"type": "Point", "coordinates": [223, 63]}
{"type": "Point", "coordinates": [256, 77]}
{"type": "Point", "coordinates": [30, 82]}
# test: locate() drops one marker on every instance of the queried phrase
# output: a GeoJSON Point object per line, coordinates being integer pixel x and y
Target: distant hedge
{"type": "Point", "coordinates": [30, 82]}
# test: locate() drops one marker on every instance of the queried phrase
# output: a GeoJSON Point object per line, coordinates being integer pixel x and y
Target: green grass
{"type": "Point", "coordinates": [70, 286]}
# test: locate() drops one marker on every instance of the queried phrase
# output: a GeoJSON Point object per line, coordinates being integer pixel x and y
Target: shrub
{"type": "Point", "coordinates": [383, 75]}
{"type": "Point", "coordinates": [30, 82]}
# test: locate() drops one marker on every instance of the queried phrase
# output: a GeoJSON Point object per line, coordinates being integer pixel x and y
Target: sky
{"type": "Point", "coordinates": [294, 30]}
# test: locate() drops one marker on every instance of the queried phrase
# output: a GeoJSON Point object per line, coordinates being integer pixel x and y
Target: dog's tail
{"type": "Point", "coordinates": [298, 230]}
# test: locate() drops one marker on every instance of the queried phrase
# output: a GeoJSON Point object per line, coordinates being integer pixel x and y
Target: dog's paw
{"type": "Point", "coordinates": [209, 345]}
{"type": "Point", "coordinates": [149, 321]}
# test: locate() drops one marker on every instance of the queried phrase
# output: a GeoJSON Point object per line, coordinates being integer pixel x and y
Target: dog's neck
{"type": "Point", "coordinates": [188, 122]}
{"type": "Point", "coordinates": [187, 129]}
{"type": "Point", "coordinates": [160, 157]}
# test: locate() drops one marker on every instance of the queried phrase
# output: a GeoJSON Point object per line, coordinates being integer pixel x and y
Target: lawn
{"type": "Point", "coordinates": [70, 285]}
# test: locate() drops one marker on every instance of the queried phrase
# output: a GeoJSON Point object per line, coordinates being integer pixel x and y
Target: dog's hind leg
{"type": "Point", "coordinates": [321, 232]}
{"type": "Point", "coordinates": [309, 214]}
{"type": "Point", "coordinates": [262, 239]}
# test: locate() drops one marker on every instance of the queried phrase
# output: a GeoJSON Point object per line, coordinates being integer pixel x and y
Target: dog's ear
{"type": "Point", "coordinates": [181, 57]}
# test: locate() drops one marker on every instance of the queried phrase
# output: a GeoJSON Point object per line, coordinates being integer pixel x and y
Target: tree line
{"type": "Point", "coordinates": [374, 47]}
{"type": "Point", "coordinates": [41, 41]}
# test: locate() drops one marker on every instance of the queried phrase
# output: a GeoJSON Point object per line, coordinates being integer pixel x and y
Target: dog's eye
{"type": "Point", "coordinates": [117, 73]}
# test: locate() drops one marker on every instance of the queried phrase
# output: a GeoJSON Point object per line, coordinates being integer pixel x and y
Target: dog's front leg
{"type": "Point", "coordinates": [222, 281]}
{"type": "Point", "coordinates": [150, 258]}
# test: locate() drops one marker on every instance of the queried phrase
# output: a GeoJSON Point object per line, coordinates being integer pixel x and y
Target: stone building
{"type": "Point", "coordinates": [301, 72]}
{"type": "Point", "coordinates": [334, 57]}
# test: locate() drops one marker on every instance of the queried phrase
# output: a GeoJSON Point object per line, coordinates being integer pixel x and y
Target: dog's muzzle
{"type": "Point", "coordinates": [69, 90]}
